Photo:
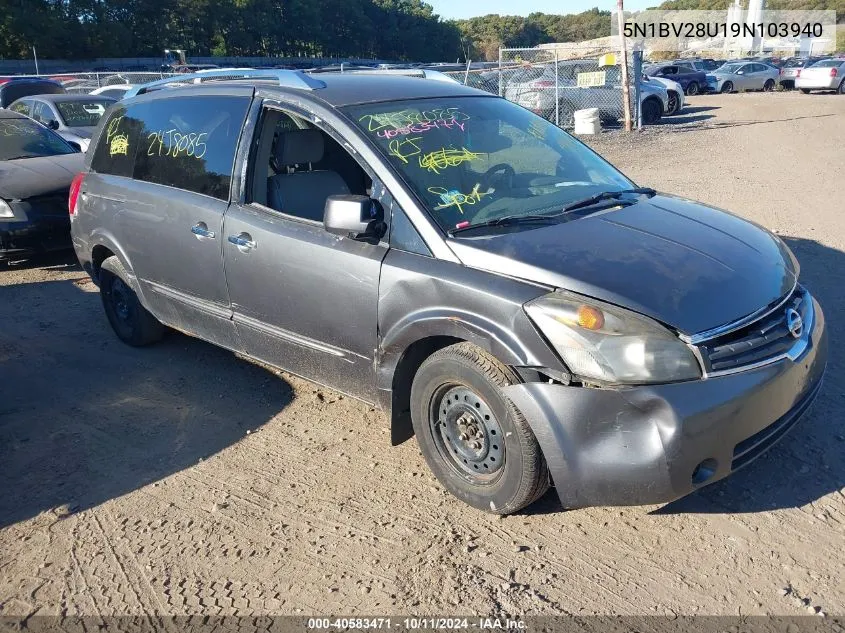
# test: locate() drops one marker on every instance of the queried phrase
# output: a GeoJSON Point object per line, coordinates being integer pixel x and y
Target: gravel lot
{"type": "Point", "coordinates": [182, 479]}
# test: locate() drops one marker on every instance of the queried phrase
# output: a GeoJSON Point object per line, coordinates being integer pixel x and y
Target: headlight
{"type": "Point", "coordinates": [608, 344]}
{"type": "Point", "coordinates": [5, 210]}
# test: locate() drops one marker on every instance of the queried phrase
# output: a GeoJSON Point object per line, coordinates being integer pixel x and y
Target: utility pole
{"type": "Point", "coordinates": [626, 93]}
{"type": "Point", "coordinates": [35, 55]}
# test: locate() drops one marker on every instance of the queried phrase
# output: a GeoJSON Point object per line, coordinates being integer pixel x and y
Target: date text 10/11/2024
{"type": "Point", "coordinates": [416, 623]}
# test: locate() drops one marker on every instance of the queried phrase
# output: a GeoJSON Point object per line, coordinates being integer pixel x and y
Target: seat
{"type": "Point", "coordinates": [302, 193]}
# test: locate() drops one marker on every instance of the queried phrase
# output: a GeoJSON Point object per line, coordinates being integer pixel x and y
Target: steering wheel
{"type": "Point", "coordinates": [498, 176]}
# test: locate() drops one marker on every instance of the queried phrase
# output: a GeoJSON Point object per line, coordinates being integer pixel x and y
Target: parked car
{"type": "Point", "coordinates": [72, 116]}
{"type": "Point", "coordinates": [493, 285]}
{"type": "Point", "coordinates": [16, 88]}
{"type": "Point", "coordinates": [739, 76]}
{"type": "Point", "coordinates": [534, 89]}
{"type": "Point", "coordinates": [116, 91]}
{"type": "Point", "coordinates": [792, 68]}
{"type": "Point", "coordinates": [705, 65]}
{"type": "Point", "coordinates": [674, 92]}
{"type": "Point", "coordinates": [692, 81]}
{"type": "Point", "coordinates": [36, 169]}
{"type": "Point", "coordinates": [826, 74]}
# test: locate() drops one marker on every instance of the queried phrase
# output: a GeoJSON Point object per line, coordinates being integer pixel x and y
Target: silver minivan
{"type": "Point", "coordinates": [495, 287]}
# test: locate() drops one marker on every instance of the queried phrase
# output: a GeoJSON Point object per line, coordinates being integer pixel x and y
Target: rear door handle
{"type": "Point", "coordinates": [200, 229]}
{"type": "Point", "coordinates": [243, 241]}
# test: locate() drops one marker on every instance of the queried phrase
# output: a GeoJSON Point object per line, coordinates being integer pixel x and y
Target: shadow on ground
{"type": "Point", "coordinates": [85, 418]}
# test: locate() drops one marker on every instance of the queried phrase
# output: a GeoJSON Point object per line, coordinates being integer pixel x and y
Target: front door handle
{"type": "Point", "coordinates": [200, 229]}
{"type": "Point", "coordinates": [243, 241]}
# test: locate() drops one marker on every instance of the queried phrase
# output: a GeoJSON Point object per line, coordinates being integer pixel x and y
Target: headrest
{"type": "Point", "coordinates": [299, 146]}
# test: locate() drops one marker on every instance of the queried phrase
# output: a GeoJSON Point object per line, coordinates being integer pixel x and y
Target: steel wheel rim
{"type": "Point", "coordinates": [121, 298]}
{"type": "Point", "coordinates": [467, 434]}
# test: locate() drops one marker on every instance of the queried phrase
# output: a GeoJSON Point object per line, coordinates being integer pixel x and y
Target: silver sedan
{"type": "Point", "coordinates": [827, 74]}
{"type": "Point", "coordinates": [738, 76]}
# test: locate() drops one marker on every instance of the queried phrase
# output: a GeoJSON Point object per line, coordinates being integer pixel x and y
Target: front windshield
{"type": "Point", "coordinates": [730, 68]}
{"type": "Point", "coordinates": [24, 138]}
{"type": "Point", "coordinates": [474, 159]}
{"type": "Point", "coordinates": [82, 113]}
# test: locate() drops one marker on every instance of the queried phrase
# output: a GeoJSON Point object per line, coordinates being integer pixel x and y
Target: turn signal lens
{"type": "Point", "coordinates": [590, 318]}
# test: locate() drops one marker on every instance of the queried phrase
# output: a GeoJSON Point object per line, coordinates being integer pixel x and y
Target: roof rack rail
{"type": "Point", "coordinates": [421, 73]}
{"type": "Point", "coordinates": [286, 79]}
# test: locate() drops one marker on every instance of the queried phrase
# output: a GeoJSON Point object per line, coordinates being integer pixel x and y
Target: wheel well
{"type": "Point", "coordinates": [98, 256]}
{"type": "Point", "coordinates": [401, 428]}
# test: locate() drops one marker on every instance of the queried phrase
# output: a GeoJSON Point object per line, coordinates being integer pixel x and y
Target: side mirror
{"type": "Point", "coordinates": [740, 72]}
{"type": "Point", "coordinates": [356, 217]}
{"type": "Point", "coordinates": [75, 145]}
{"type": "Point", "coordinates": [53, 124]}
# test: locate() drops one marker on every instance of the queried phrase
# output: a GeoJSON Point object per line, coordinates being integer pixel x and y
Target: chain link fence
{"type": "Point", "coordinates": [555, 82]}
{"type": "Point", "coordinates": [84, 83]}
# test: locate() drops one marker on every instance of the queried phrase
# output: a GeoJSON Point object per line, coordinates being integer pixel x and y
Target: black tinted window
{"type": "Point", "coordinates": [190, 143]}
{"type": "Point", "coordinates": [118, 142]}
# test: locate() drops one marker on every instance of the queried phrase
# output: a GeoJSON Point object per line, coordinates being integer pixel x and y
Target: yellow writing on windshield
{"type": "Point", "coordinates": [443, 158]}
{"type": "Point", "coordinates": [454, 198]}
{"type": "Point", "coordinates": [405, 148]}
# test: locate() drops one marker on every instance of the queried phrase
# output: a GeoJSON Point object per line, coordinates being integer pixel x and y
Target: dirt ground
{"type": "Point", "coordinates": [181, 479]}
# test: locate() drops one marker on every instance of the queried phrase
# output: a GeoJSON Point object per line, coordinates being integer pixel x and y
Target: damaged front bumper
{"type": "Point", "coordinates": [656, 443]}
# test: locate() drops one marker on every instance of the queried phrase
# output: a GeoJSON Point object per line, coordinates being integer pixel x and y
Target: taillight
{"type": "Point", "coordinates": [798, 73]}
{"type": "Point", "coordinates": [73, 196]}
{"type": "Point", "coordinates": [833, 72]}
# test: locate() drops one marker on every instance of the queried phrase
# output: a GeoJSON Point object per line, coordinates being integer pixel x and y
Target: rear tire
{"type": "Point", "coordinates": [477, 444]}
{"type": "Point", "coordinates": [692, 88]}
{"type": "Point", "coordinates": [805, 91]}
{"type": "Point", "coordinates": [652, 111]}
{"type": "Point", "coordinates": [727, 87]}
{"type": "Point", "coordinates": [130, 320]}
{"type": "Point", "coordinates": [769, 85]}
{"type": "Point", "coordinates": [841, 89]}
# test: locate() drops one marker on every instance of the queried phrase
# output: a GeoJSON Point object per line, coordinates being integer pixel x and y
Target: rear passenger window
{"type": "Point", "coordinates": [190, 143]}
{"type": "Point", "coordinates": [118, 142]}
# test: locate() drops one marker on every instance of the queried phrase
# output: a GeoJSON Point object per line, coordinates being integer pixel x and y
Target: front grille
{"type": "Point", "coordinates": [766, 338]}
{"type": "Point", "coordinates": [754, 446]}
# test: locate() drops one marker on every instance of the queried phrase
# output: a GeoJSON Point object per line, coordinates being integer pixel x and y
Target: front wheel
{"type": "Point", "coordinates": [477, 444]}
{"type": "Point", "coordinates": [651, 111]}
{"type": "Point", "coordinates": [841, 89]}
{"type": "Point", "coordinates": [727, 87]}
{"type": "Point", "coordinates": [674, 103]}
{"type": "Point", "coordinates": [769, 85]}
{"type": "Point", "coordinates": [692, 88]}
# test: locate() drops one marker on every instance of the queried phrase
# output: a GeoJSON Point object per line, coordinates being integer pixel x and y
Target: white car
{"type": "Point", "coordinates": [826, 74]}
{"type": "Point", "coordinates": [675, 93]}
{"type": "Point", "coordinates": [117, 91]}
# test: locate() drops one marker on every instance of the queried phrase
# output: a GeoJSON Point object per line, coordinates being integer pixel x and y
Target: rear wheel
{"type": "Point", "coordinates": [131, 321]}
{"type": "Point", "coordinates": [769, 85]}
{"type": "Point", "coordinates": [841, 89]}
{"type": "Point", "coordinates": [692, 88]}
{"type": "Point", "coordinates": [652, 111]}
{"type": "Point", "coordinates": [806, 91]}
{"type": "Point", "coordinates": [478, 445]}
{"type": "Point", "coordinates": [728, 86]}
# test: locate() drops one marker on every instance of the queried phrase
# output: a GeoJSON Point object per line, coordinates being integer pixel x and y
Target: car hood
{"type": "Point", "coordinates": [685, 264]}
{"type": "Point", "coordinates": [27, 177]}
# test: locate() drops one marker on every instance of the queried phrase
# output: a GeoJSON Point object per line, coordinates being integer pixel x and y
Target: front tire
{"type": "Point", "coordinates": [130, 320]}
{"type": "Point", "coordinates": [651, 111]}
{"type": "Point", "coordinates": [727, 87]}
{"type": "Point", "coordinates": [477, 444]}
{"type": "Point", "coordinates": [692, 88]}
{"type": "Point", "coordinates": [674, 103]}
{"type": "Point", "coordinates": [769, 85]}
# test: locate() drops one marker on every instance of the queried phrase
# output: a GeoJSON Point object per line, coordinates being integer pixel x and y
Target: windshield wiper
{"type": "Point", "coordinates": [507, 220]}
{"type": "Point", "coordinates": [606, 195]}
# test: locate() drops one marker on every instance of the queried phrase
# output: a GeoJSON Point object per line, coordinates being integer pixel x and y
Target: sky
{"type": "Point", "coordinates": [459, 9]}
